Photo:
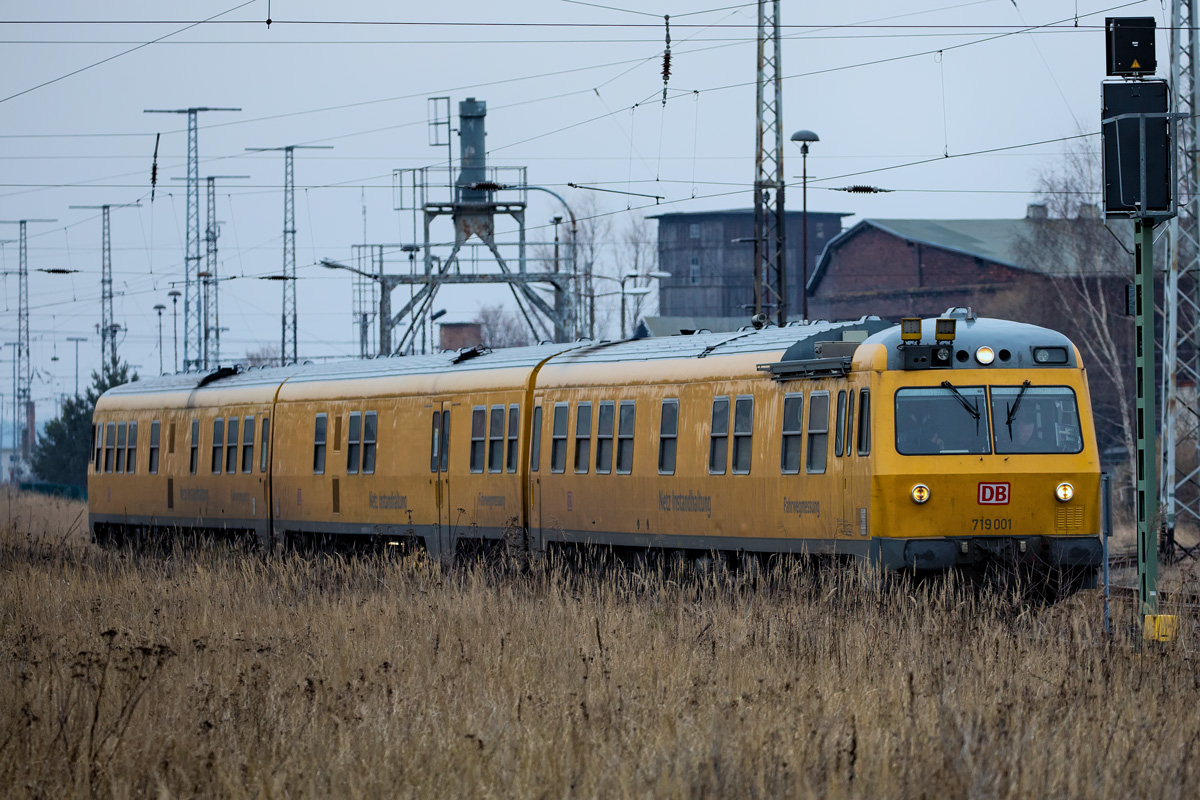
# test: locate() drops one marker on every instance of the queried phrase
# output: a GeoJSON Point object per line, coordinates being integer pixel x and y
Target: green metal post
{"type": "Point", "coordinates": [1147, 451]}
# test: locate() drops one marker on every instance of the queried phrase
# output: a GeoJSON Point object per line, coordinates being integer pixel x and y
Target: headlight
{"type": "Point", "coordinates": [920, 493]}
{"type": "Point", "coordinates": [985, 355]}
{"type": "Point", "coordinates": [1064, 491]}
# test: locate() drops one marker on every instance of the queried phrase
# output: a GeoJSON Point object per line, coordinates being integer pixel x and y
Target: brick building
{"type": "Point", "coordinates": [710, 256]}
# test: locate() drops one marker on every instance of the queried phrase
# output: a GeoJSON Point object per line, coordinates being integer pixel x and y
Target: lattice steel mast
{"type": "Point", "coordinates": [289, 351]}
{"type": "Point", "coordinates": [108, 325]}
{"type": "Point", "coordinates": [193, 344]}
{"type": "Point", "coordinates": [22, 363]}
{"type": "Point", "coordinates": [770, 230]}
{"type": "Point", "coordinates": [1181, 326]}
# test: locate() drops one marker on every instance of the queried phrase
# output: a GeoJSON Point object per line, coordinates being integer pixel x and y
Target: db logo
{"type": "Point", "coordinates": [993, 494]}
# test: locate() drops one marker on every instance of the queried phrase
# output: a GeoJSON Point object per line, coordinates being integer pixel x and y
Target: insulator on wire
{"type": "Point", "coordinates": [666, 63]}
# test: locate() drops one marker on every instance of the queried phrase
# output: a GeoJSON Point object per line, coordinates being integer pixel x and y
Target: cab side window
{"type": "Point", "coordinates": [514, 417]}
{"type": "Point", "coordinates": [864, 422]}
{"type": "Point", "coordinates": [478, 437]}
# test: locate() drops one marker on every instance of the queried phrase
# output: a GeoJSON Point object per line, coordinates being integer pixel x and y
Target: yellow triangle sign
{"type": "Point", "coordinates": [1135, 65]}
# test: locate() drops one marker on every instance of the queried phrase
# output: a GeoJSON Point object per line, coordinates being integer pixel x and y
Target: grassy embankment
{"type": "Point", "coordinates": [215, 673]}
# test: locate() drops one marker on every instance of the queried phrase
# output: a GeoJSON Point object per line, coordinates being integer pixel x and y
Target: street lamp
{"type": "Point", "coordinates": [633, 291]}
{"type": "Point", "coordinates": [77, 340]}
{"type": "Point", "coordinates": [174, 295]}
{"type": "Point", "coordinates": [804, 137]}
{"type": "Point", "coordinates": [159, 307]}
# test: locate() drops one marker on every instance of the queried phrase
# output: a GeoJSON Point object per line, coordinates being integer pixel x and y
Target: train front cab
{"type": "Point", "coordinates": [989, 460]}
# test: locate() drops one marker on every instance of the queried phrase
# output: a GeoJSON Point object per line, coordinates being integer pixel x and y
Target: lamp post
{"type": "Point", "coordinates": [804, 137]}
{"type": "Point", "coordinates": [174, 295]}
{"type": "Point", "coordinates": [76, 340]}
{"type": "Point", "coordinates": [159, 307]}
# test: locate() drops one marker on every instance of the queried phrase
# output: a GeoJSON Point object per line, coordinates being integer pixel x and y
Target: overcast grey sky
{"type": "Point", "coordinates": [573, 92]}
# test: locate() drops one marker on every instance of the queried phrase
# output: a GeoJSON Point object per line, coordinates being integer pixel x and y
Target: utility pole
{"type": "Point", "coordinates": [23, 369]}
{"type": "Point", "coordinates": [288, 320]}
{"type": "Point", "coordinates": [108, 325]}
{"type": "Point", "coordinates": [77, 340]}
{"type": "Point", "coordinates": [770, 227]}
{"type": "Point", "coordinates": [192, 343]}
{"type": "Point", "coordinates": [174, 295]}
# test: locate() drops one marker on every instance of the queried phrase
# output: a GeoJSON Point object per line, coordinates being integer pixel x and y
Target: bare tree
{"type": "Point", "coordinates": [590, 246]}
{"type": "Point", "coordinates": [638, 255]}
{"type": "Point", "coordinates": [1088, 267]}
{"type": "Point", "coordinates": [265, 356]}
{"type": "Point", "coordinates": [503, 328]}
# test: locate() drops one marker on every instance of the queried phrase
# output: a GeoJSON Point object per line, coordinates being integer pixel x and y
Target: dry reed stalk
{"type": "Point", "coordinates": [211, 672]}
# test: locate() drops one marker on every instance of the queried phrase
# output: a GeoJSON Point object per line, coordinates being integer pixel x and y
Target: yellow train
{"type": "Point", "coordinates": [935, 444]}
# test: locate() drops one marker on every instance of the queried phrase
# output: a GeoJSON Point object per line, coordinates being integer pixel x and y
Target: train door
{"type": "Point", "coordinates": [537, 543]}
{"type": "Point", "coordinates": [856, 464]}
{"type": "Point", "coordinates": [439, 542]}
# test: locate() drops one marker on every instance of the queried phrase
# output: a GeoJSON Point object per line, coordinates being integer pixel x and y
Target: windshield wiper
{"type": "Point", "coordinates": [971, 409]}
{"type": "Point", "coordinates": [1012, 410]}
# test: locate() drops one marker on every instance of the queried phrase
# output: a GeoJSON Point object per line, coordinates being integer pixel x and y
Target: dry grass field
{"type": "Point", "coordinates": [213, 673]}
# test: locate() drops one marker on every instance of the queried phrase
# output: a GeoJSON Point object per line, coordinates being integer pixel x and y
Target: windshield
{"type": "Point", "coordinates": [1035, 419]}
{"type": "Point", "coordinates": [940, 420]}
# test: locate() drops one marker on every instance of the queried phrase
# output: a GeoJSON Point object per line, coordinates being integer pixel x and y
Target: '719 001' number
{"type": "Point", "coordinates": [989, 524]}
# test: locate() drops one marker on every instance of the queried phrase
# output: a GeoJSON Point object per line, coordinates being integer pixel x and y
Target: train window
{"type": "Point", "coordinates": [514, 417]}
{"type": "Point", "coordinates": [625, 426]}
{"type": "Point", "coordinates": [583, 436]}
{"type": "Point", "coordinates": [849, 421]}
{"type": "Point", "coordinates": [218, 446]}
{"type": "Point", "coordinates": [945, 419]}
{"type": "Point", "coordinates": [1035, 419]}
{"type": "Point", "coordinates": [370, 431]}
{"type": "Point", "coordinates": [864, 422]}
{"type": "Point", "coordinates": [718, 446]}
{"type": "Point", "coordinates": [445, 441]}
{"type": "Point", "coordinates": [248, 445]}
{"type": "Point", "coordinates": [496, 439]}
{"type": "Point", "coordinates": [435, 440]}
{"type": "Point", "coordinates": [604, 436]}
{"type": "Point", "coordinates": [743, 434]}
{"type": "Point", "coordinates": [266, 439]}
{"type": "Point", "coordinates": [818, 432]}
{"type": "Point", "coordinates": [110, 442]}
{"type": "Point", "coordinates": [668, 437]}
{"type": "Point", "coordinates": [354, 442]}
{"type": "Point", "coordinates": [120, 447]}
{"type": "Point", "coordinates": [97, 446]}
{"type": "Point", "coordinates": [195, 444]}
{"type": "Point", "coordinates": [319, 429]}
{"type": "Point", "coordinates": [152, 466]}
{"type": "Point", "coordinates": [478, 436]}
{"type": "Point", "coordinates": [131, 449]}
{"type": "Point", "coordinates": [839, 432]}
{"type": "Point", "coordinates": [535, 441]}
{"type": "Point", "coordinates": [232, 450]}
{"type": "Point", "coordinates": [793, 434]}
{"type": "Point", "coordinates": [171, 439]}
{"type": "Point", "coordinates": [558, 439]}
